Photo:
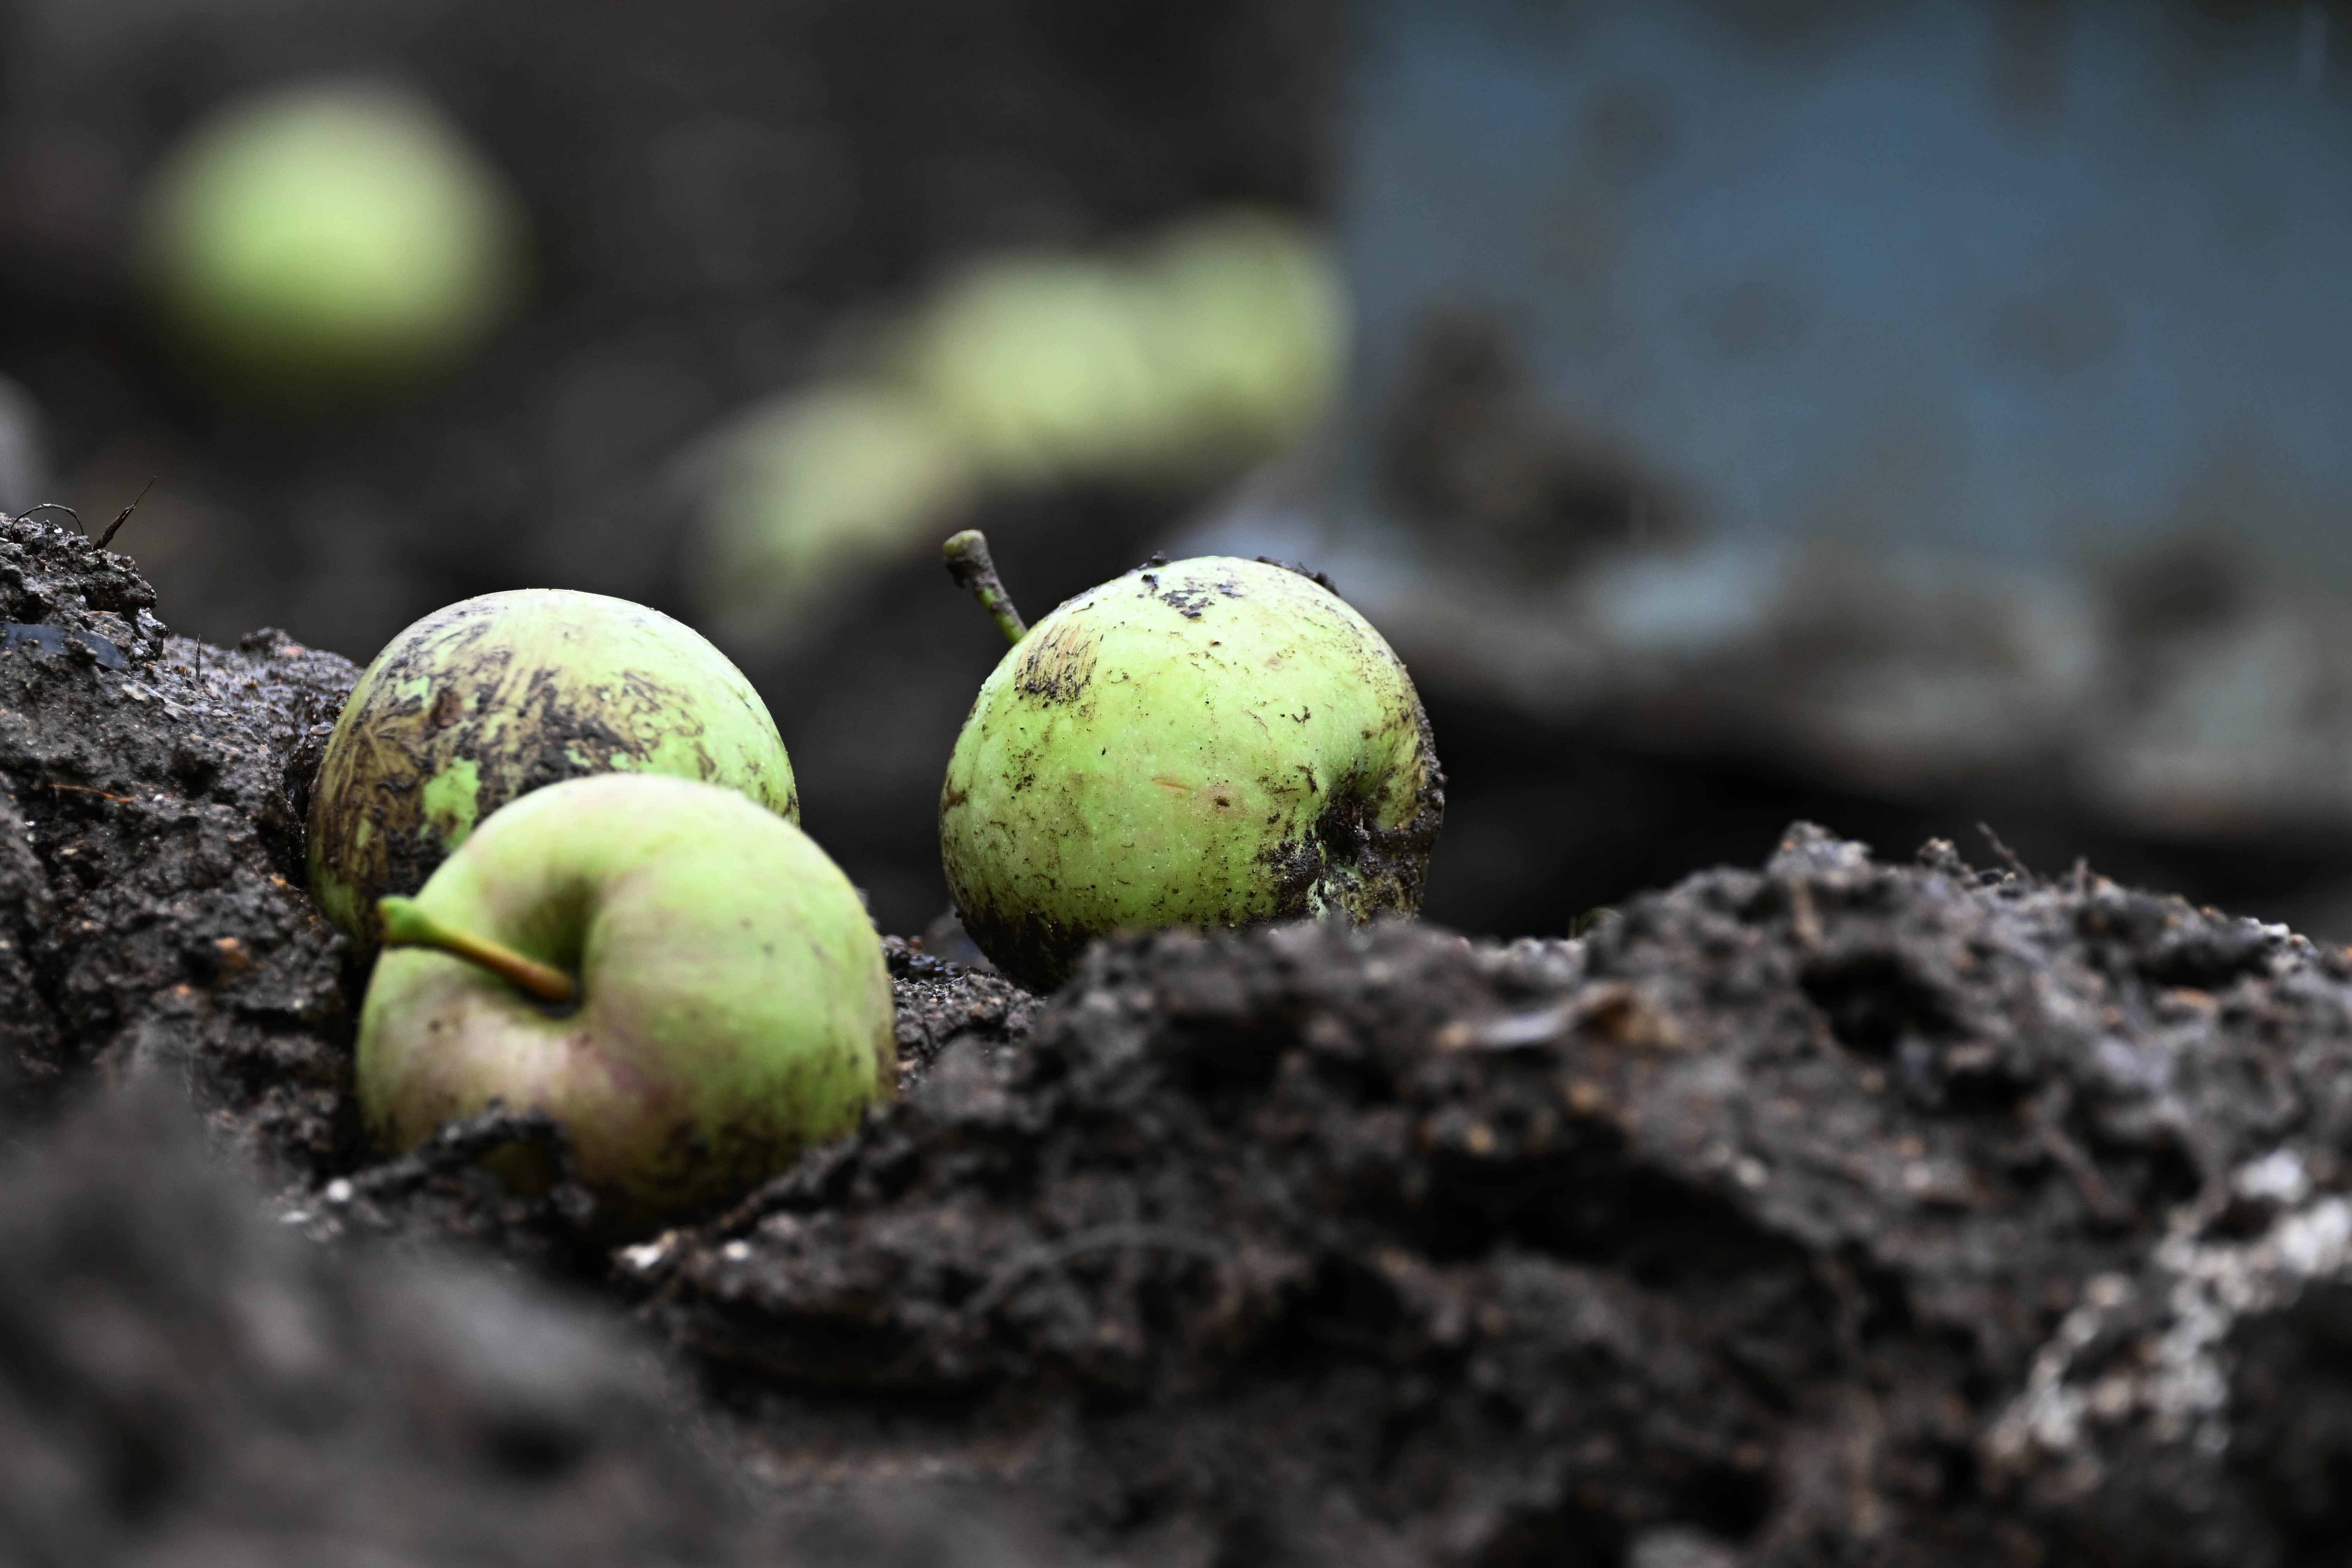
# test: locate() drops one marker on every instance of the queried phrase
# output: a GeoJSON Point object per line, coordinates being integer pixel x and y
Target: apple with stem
{"type": "Point", "coordinates": [1208, 742]}
{"type": "Point", "coordinates": [681, 978]}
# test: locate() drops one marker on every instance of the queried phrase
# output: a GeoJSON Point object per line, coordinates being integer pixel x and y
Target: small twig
{"type": "Point", "coordinates": [2007, 856]}
{"type": "Point", "coordinates": [1102, 1237]}
{"type": "Point", "coordinates": [1804, 917]}
{"type": "Point", "coordinates": [55, 507]}
{"type": "Point", "coordinates": [123, 516]}
{"type": "Point", "coordinates": [2047, 1113]}
{"type": "Point", "coordinates": [85, 789]}
{"type": "Point", "coordinates": [970, 564]}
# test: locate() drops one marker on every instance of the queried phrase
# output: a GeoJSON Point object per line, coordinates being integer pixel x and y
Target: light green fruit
{"type": "Point", "coordinates": [733, 1006]}
{"type": "Point", "coordinates": [330, 235]}
{"type": "Point", "coordinates": [1208, 743]}
{"type": "Point", "coordinates": [492, 697]}
{"type": "Point", "coordinates": [814, 489]}
{"type": "Point", "coordinates": [1040, 365]}
{"type": "Point", "coordinates": [1248, 327]}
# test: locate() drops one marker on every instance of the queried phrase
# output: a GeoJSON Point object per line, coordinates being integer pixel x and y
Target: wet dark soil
{"type": "Point", "coordinates": [1838, 1211]}
{"type": "Point", "coordinates": [151, 915]}
{"type": "Point", "coordinates": [184, 1382]}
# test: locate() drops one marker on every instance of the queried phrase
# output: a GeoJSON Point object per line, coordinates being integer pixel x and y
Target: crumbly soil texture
{"type": "Point", "coordinates": [1837, 1211]}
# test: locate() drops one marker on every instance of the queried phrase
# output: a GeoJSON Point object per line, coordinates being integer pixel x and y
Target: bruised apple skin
{"type": "Point", "coordinates": [486, 700]}
{"type": "Point", "coordinates": [731, 1004]}
{"type": "Point", "coordinates": [1212, 742]}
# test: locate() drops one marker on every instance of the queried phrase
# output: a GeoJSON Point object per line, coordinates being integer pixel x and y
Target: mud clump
{"type": "Point", "coordinates": [151, 906]}
{"type": "Point", "coordinates": [1837, 1212]}
{"type": "Point", "coordinates": [942, 1003]}
{"type": "Point", "coordinates": [184, 1383]}
{"type": "Point", "coordinates": [191, 1388]}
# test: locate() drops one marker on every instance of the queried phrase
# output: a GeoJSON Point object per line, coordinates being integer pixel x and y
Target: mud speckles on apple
{"type": "Point", "coordinates": [1247, 749]}
{"type": "Point", "coordinates": [489, 699]}
{"type": "Point", "coordinates": [1189, 597]}
{"type": "Point", "coordinates": [1057, 662]}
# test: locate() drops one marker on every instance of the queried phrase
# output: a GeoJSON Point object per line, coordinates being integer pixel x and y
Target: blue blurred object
{"type": "Point", "coordinates": [2036, 281]}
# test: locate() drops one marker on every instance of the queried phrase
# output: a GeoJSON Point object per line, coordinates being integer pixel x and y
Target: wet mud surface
{"type": "Point", "coordinates": [1841, 1210]}
{"type": "Point", "coordinates": [151, 915]}
{"type": "Point", "coordinates": [185, 1382]}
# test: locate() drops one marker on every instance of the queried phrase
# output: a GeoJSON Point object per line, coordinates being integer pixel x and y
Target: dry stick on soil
{"type": "Point", "coordinates": [123, 516]}
{"type": "Point", "coordinates": [55, 507]}
{"type": "Point", "coordinates": [2008, 857]}
{"type": "Point", "coordinates": [970, 564]}
{"type": "Point", "coordinates": [85, 789]}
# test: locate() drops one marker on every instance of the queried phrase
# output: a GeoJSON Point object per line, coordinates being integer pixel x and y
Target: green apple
{"type": "Point", "coordinates": [1040, 365]}
{"type": "Point", "coordinates": [805, 493]}
{"type": "Point", "coordinates": [489, 698]}
{"type": "Point", "coordinates": [679, 978]}
{"type": "Point", "coordinates": [1221, 339]}
{"type": "Point", "coordinates": [1212, 742]}
{"type": "Point", "coordinates": [334, 236]}
{"type": "Point", "coordinates": [1247, 321]}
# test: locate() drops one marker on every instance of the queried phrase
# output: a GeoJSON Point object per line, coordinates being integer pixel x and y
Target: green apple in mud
{"type": "Point", "coordinates": [682, 979]}
{"type": "Point", "coordinates": [485, 700]}
{"type": "Point", "coordinates": [1210, 742]}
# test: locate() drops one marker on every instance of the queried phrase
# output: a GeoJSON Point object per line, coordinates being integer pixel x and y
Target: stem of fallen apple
{"type": "Point", "coordinates": [406, 926]}
{"type": "Point", "coordinates": [975, 572]}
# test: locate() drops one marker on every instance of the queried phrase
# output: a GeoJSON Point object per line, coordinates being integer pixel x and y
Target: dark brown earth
{"type": "Point", "coordinates": [1842, 1211]}
{"type": "Point", "coordinates": [182, 1382]}
{"type": "Point", "coordinates": [151, 915]}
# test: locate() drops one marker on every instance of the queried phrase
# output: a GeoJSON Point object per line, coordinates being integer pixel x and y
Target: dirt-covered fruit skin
{"type": "Point", "coordinates": [489, 698]}
{"type": "Point", "coordinates": [734, 1008]}
{"type": "Point", "coordinates": [1212, 742]}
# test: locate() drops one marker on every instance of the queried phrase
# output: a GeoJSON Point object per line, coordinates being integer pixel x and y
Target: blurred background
{"type": "Point", "coordinates": [1904, 415]}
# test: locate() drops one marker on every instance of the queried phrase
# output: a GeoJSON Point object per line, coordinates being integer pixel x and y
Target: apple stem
{"type": "Point", "coordinates": [406, 926]}
{"type": "Point", "coordinates": [975, 573]}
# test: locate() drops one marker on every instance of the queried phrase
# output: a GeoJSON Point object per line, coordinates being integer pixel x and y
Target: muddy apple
{"type": "Point", "coordinates": [492, 697]}
{"type": "Point", "coordinates": [1210, 742]}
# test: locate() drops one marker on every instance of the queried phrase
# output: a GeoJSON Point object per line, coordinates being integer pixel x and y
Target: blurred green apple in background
{"type": "Point", "coordinates": [1040, 363]}
{"type": "Point", "coordinates": [330, 238]}
{"type": "Point", "coordinates": [1210, 742]}
{"type": "Point", "coordinates": [488, 699]}
{"type": "Point", "coordinates": [681, 979]}
{"type": "Point", "coordinates": [1211, 345]}
{"type": "Point", "coordinates": [814, 488]}
{"type": "Point", "coordinates": [1246, 323]}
